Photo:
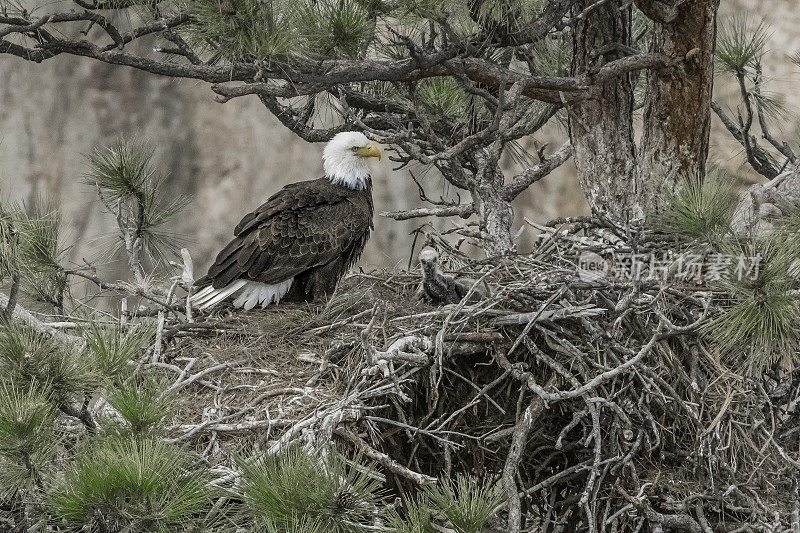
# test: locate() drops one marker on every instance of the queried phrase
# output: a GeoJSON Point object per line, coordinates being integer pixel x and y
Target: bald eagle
{"type": "Point", "coordinates": [301, 241]}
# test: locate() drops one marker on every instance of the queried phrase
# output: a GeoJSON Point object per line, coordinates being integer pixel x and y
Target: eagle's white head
{"type": "Point", "coordinates": [345, 159]}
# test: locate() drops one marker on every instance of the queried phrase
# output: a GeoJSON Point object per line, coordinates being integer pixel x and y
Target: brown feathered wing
{"type": "Point", "coordinates": [305, 226]}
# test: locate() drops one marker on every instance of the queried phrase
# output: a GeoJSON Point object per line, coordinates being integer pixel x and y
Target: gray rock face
{"type": "Point", "coordinates": [229, 158]}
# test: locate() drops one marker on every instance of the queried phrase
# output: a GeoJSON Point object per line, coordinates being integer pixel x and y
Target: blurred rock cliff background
{"type": "Point", "coordinates": [231, 157]}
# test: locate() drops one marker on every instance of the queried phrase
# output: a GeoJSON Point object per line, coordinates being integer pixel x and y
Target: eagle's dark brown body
{"type": "Point", "coordinates": [312, 231]}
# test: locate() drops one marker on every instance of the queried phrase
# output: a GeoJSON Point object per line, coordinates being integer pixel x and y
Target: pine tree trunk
{"type": "Point", "coordinates": [495, 213]}
{"type": "Point", "coordinates": [601, 127]}
{"type": "Point", "coordinates": [619, 181]}
{"type": "Point", "coordinates": [677, 115]}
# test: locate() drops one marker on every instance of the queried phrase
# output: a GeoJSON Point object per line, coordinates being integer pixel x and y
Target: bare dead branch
{"type": "Point", "coordinates": [463, 211]}
{"type": "Point", "coordinates": [383, 459]}
{"type": "Point", "coordinates": [522, 181]}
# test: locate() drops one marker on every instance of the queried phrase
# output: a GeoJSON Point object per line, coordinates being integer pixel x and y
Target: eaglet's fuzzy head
{"type": "Point", "coordinates": [345, 159]}
{"type": "Point", "coordinates": [428, 258]}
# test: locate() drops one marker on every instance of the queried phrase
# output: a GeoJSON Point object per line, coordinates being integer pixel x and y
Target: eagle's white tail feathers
{"type": "Point", "coordinates": [202, 294]}
{"type": "Point", "coordinates": [209, 297]}
{"type": "Point", "coordinates": [255, 293]}
{"type": "Point", "coordinates": [248, 294]}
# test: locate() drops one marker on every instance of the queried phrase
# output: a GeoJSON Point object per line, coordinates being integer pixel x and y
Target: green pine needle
{"type": "Point", "coordinates": [28, 358]}
{"type": "Point", "coordinates": [444, 98]}
{"type": "Point", "coordinates": [113, 348]}
{"type": "Point", "coordinates": [243, 30]}
{"type": "Point", "coordinates": [411, 12]}
{"type": "Point", "coordinates": [384, 90]}
{"type": "Point", "coordinates": [279, 488]}
{"type": "Point", "coordinates": [39, 235]}
{"type": "Point", "coordinates": [739, 45]}
{"type": "Point", "coordinates": [552, 57]}
{"type": "Point", "coordinates": [771, 105]}
{"type": "Point", "coordinates": [336, 28]}
{"type": "Point", "coordinates": [468, 503]}
{"type": "Point", "coordinates": [26, 419]}
{"type": "Point", "coordinates": [795, 58]}
{"type": "Point", "coordinates": [512, 14]}
{"type": "Point", "coordinates": [417, 518]}
{"type": "Point", "coordinates": [698, 210]}
{"type": "Point", "coordinates": [121, 171]}
{"type": "Point", "coordinates": [143, 404]}
{"type": "Point", "coordinates": [298, 524]}
{"type": "Point", "coordinates": [29, 245]}
{"type": "Point", "coordinates": [758, 325]}
{"type": "Point", "coordinates": [123, 481]}
{"type": "Point", "coordinates": [130, 187]}
{"type": "Point", "coordinates": [27, 436]}
{"type": "Point", "coordinates": [519, 155]}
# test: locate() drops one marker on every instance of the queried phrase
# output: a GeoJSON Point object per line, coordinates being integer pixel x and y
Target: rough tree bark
{"type": "Point", "coordinates": [496, 214]}
{"type": "Point", "coordinates": [677, 111]}
{"type": "Point", "coordinates": [601, 127]}
{"type": "Point", "coordinates": [620, 180]}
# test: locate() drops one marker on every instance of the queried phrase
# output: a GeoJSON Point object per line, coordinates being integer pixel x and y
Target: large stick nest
{"type": "Point", "coordinates": [597, 405]}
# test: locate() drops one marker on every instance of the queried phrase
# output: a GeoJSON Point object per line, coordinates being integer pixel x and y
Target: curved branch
{"type": "Point", "coordinates": [761, 160]}
{"type": "Point", "coordinates": [383, 459]}
{"type": "Point", "coordinates": [522, 181]}
{"type": "Point", "coordinates": [37, 325]}
{"type": "Point", "coordinates": [325, 74]}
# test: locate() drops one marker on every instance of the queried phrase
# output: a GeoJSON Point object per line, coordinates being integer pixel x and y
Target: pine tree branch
{"type": "Point", "coordinates": [28, 54]}
{"type": "Point", "coordinates": [461, 210]}
{"type": "Point", "coordinates": [23, 315]}
{"type": "Point", "coordinates": [8, 310]}
{"type": "Point", "coordinates": [559, 395]}
{"type": "Point", "coordinates": [383, 459]}
{"type": "Point", "coordinates": [511, 468]}
{"type": "Point", "coordinates": [183, 47]}
{"type": "Point", "coordinates": [745, 125]}
{"type": "Point", "coordinates": [522, 181]}
{"type": "Point", "coordinates": [761, 161]}
{"type": "Point", "coordinates": [82, 413]}
{"type": "Point", "coordinates": [683, 522]}
{"type": "Point", "coordinates": [160, 25]}
{"type": "Point", "coordinates": [126, 288]}
{"type": "Point", "coordinates": [282, 89]}
{"type": "Point", "coordinates": [550, 18]}
{"type": "Point", "coordinates": [295, 123]}
{"type": "Point", "coordinates": [323, 74]}
{"type": "Point", "coordinates": [783, 147]}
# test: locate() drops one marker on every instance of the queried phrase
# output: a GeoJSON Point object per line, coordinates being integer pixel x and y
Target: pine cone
{"type": "Point", "coordinates": [345, 500]}
{"type": "Point", "coordinates": [226, 7]}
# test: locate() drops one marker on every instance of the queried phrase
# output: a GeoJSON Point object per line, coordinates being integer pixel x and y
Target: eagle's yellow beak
{"type": "Point", "coordinates": [369, 150]}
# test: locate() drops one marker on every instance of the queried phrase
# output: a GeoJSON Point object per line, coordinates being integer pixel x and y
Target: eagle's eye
{"type": "Point", "coordinates": [354, 148]}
